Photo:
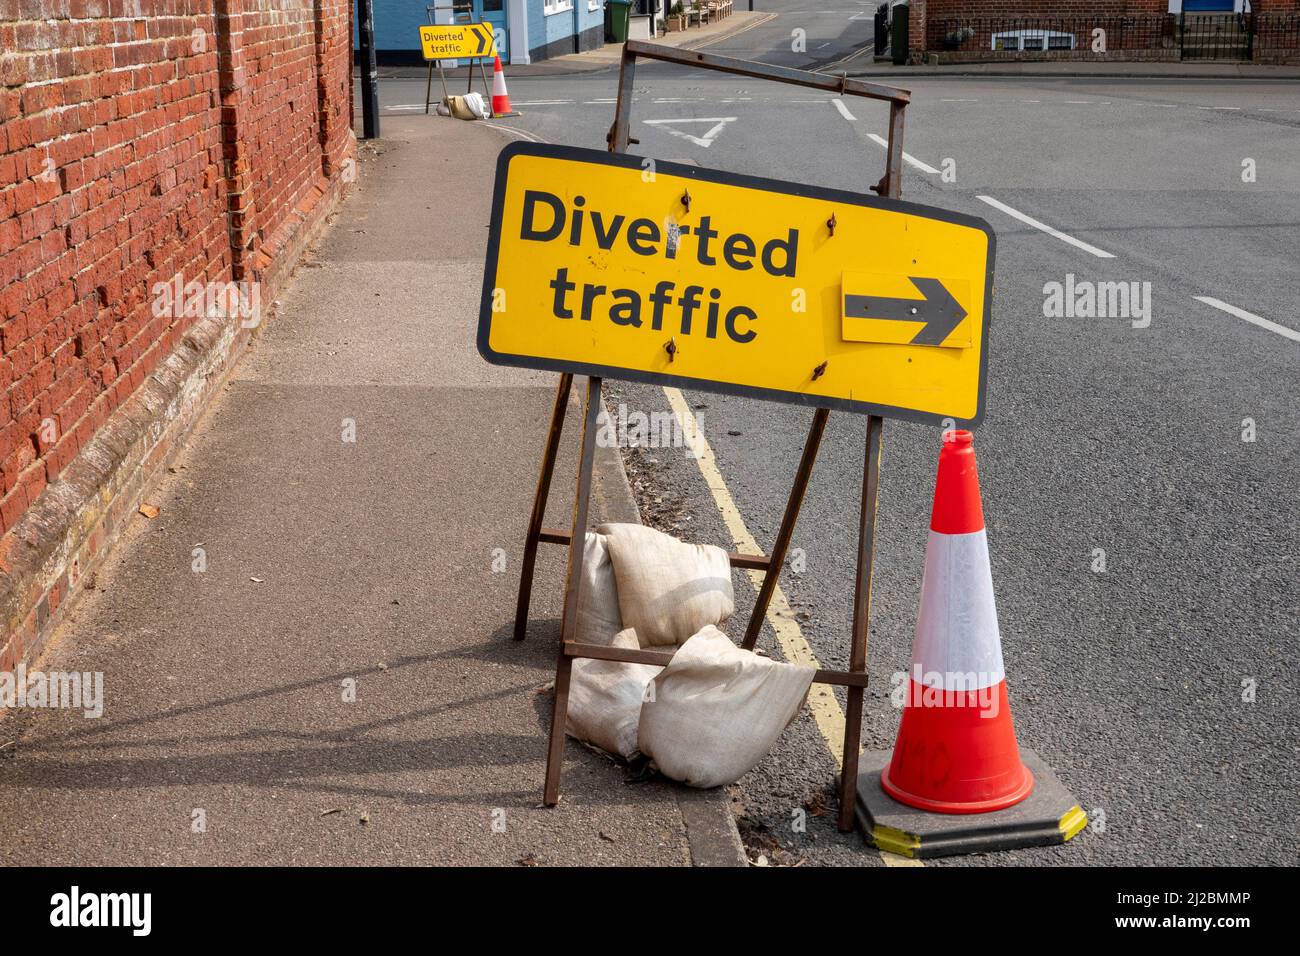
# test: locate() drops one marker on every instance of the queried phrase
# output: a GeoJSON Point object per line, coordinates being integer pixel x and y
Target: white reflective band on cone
{"type": "Point", "coordinates": [957, 637]}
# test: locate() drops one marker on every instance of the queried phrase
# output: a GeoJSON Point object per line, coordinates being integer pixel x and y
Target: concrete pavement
{"type": "Point", "coordinates": [307, 654]}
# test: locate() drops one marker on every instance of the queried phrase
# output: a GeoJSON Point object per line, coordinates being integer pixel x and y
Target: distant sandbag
{"type": "Point", "coordinates": [717, 709]}
{"type": "Point", "coordinates": [598, 615]}
{"type": "Point", "coordinates": [667, 589]}
{"type": "Point", "coordinates": [605, 699]}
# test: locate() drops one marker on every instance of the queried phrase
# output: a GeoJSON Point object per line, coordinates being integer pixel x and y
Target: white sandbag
{"type": "Point", "coordinates": [605, 700]}
{"type": "Point", "coordinates": [717, 709]}
{"type": "Point", "coordinates": [471, 106]}
{"type": "Point", "coordinates": [598, 615]}
{"type": "Point", "coordinates": [478, 105]}
{"type": "Point", "coordinates": [667, 589]}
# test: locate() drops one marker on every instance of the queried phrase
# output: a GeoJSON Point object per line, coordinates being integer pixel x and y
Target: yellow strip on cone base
{"type": "Point", "coordinates": [895, 841]}
{"type": "Point", "coordinates": [1072, 822]}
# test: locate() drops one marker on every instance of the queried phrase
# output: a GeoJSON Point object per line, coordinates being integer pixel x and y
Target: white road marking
{"type": "Point", "coordinates": [844, 110]}
{"type": "Point", "coordinates": [678, 99]}
{"type": "Point", "coordinates": [601, 101]}
{"type": "Point", "coordinates": [1030, 220]}
{"type": "Point", "coordinates": [542, 102]}
{"type": "Point", "coordinates": [954, 99]}
{"type": "Point", "coordinates": [1078, 102]}
{"type": "Point", "coordinates": [521, 133]}
{"type": "Point", "coordinates": [1281, 330]}
{"type": "Point", "coordinates": [907, 157]}
{"type": "Point", "coordinates": [795, 649]}
{"type": "Point", "coordinates": [706, 140]}
{"type": "Point", "coordinates": [1218, 107]}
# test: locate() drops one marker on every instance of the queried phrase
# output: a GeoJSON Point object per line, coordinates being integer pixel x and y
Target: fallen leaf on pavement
{"type": "Point", "coordinates": [149, 511]}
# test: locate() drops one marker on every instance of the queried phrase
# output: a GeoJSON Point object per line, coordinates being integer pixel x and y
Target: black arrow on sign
{"type": "Point", "coordinates": [482, 40]}
{"type": "Point", "coordinates": [940, 312]}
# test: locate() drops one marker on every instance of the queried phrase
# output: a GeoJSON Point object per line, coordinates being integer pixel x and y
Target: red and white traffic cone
{"type": "Point", "coordinates": [956, 750]}
{"type": "Point", "coordinates": [500, 98]}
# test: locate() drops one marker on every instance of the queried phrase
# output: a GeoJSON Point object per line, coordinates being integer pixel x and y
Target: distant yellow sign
{"type": "Point", "coordinates": [614, 265]}
{"type": "Point", "coordinates": [457, 41]}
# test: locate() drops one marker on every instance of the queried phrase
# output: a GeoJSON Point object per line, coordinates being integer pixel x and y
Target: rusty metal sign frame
{"type": "Point", "coordinates": [855, 678]}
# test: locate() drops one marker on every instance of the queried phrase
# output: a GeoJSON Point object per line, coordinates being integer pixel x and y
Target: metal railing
{"type": "Point", "coordinates": [1049, 35]}
{"type": "Point", "coordinates": [1275, 35]}
{"type": "Point", "coordinates": [1215, 36]}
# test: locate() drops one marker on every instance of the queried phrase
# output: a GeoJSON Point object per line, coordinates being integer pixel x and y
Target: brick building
{"type": "Point", "coordinates": [970, 30]}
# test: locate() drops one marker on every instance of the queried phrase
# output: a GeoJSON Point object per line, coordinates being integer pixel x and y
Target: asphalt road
{"type": "Point", "coordinates": [1105, 434]}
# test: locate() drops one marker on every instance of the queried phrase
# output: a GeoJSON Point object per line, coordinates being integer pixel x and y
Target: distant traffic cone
{"type": "Point", "coordinates": [956, 750]}
{"type": "Point", "coordinates": [500, 98]}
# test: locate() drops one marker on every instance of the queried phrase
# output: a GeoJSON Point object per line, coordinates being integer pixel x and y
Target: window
{"type": "Point", "coordinates": [550, 7]}
{"type": "Point", "coordinates": [1032, 40]}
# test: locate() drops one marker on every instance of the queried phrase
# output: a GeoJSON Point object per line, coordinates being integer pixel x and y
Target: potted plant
{"type": "Point", "coordinates": [675, 22]}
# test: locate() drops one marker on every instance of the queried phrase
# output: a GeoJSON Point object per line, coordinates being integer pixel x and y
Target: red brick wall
{"type": "Point", "coordinates": [190, 141]}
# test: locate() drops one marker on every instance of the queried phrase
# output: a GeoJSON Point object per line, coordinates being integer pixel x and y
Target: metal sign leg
{"type": "Point", "coordinates": [777, 557]}
{"type": "Point", "coordinates": [861, 621]}
{"type": "Point", "coordinates": [572, 588]}
{"type": "Point", "coordinates": [539, 505]}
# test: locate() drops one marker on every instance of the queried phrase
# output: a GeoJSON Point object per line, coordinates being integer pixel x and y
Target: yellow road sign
{"type": "Point", "coordinates": [625, 267]}
{"type": "Point", "coordinates": [457, 41]}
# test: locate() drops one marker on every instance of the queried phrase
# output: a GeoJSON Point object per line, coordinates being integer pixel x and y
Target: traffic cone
{"type": "Point", "coordinates": [956, 750]}
{"type": "Point", "coordinates": [500, 98]}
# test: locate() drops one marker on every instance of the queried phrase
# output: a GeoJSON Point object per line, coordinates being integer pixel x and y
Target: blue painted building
{"type": "Point", "coordinates": [526, 30]}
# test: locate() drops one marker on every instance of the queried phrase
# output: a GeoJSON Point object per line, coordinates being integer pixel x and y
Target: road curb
{"type": "Point", "coordinates": [711, 831]}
